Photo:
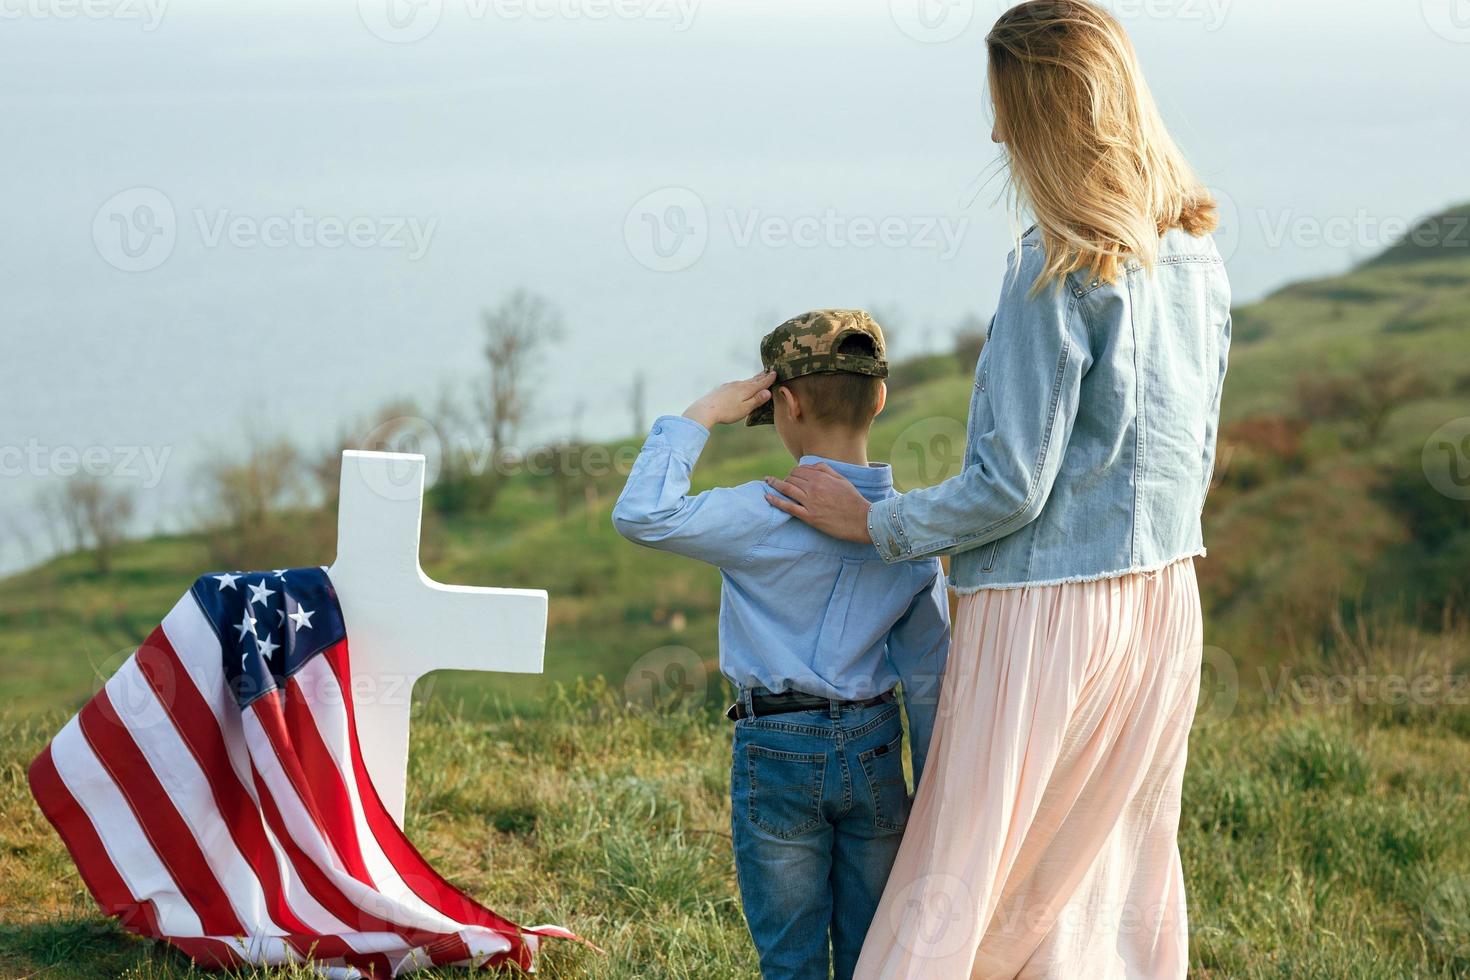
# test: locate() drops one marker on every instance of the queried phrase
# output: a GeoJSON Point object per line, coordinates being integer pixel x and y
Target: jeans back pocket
{"type": "Point", "coordinates": [785, 790]}
{"type": "Point", "coordinates": [883, 767]}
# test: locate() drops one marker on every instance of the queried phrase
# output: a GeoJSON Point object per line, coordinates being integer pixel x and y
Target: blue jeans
{"type": "Point", "coordinates": [819, 805]}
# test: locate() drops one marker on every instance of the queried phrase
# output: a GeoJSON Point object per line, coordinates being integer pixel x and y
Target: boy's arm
{"type": "Point", "coordinates": [918, 648]}
{"type": "Point", "coordinates": [718, 526]}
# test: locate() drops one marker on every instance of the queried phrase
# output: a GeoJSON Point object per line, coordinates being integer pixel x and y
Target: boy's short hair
{"type": "Point", "coordinates": [841, 397]}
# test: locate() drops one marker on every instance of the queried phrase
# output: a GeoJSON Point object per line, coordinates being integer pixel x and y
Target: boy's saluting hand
{"type": "Point", "coordinates": [732, 402]}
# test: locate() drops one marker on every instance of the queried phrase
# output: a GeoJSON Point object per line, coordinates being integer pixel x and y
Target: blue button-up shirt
{"type": "Point", "coordinates": [799, 611]}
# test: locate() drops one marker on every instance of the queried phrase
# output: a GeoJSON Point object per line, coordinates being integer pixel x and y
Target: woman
{"type": "Point", "coordinates": [1042, 841]}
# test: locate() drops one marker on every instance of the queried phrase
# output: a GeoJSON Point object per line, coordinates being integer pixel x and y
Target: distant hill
{"type": "Point", "coordinates": [1440, 236]}
{"type": "Point", "coordinates": [1323, 505]}
{"type": "Point", "coordinates": [1322, 513]}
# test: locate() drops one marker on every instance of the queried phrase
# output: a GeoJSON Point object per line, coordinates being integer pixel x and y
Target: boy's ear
{"type": "Point", "coordinates": [882, 398]}
{"type": "Point", "coordinates": [792, 403]}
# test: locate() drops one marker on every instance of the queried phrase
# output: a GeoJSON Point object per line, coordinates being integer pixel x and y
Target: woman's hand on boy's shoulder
{"type": "Point", "coordinates": [823, 498]}
{"type": "Point", "coordinates": [732, 402]}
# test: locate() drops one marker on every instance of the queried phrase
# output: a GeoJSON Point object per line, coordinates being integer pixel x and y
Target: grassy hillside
{"type": "Point", "coordinates": [1324, 828]}
{"type": "Point", "coordinates": [1320, 845]}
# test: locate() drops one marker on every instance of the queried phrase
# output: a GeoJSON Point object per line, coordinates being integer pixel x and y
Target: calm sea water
{"type": "Point", "coordinates": [225, 223]}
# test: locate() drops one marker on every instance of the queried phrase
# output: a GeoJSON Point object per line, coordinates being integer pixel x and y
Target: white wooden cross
{"type": "Point", "coordinates": [401, 624]}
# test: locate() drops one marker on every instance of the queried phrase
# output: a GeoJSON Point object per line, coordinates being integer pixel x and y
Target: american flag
{"type": "Point", "coordinates": [213, 795]}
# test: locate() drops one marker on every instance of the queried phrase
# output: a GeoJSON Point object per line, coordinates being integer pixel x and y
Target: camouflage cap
{"type": "Point", "coordinates": [811, 344]}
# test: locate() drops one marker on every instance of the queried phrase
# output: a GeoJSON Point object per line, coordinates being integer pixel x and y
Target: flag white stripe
{"type": "Point", "coordinates": [198, 649]}
{"type": "Point", "coordinates": [127, 846]}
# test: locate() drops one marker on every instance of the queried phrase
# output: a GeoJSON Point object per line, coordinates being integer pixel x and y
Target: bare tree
{"type": "Point", "coordinates": [1388, 383]}
{"type": "Point", "coordinates": [1368, 396]}
{"type": "Point", "coordinates": [516, 332]}
{"type": "Point", "coordinates": [88, 513]}
{"type": "Point", "coordinates": [248, 502]}
{"type": "Point", "coordinates": [64, 534]}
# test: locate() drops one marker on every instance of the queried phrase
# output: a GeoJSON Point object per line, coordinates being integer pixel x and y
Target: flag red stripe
{"type": "Point", "coordinates": [169, 835]}
{"type": "Point", "coordinates": [323, 780]}
{"type": "Point", "coordinates": [417, 873]}
{"type": "Point", "coordinates": [332, 898]}
{"type": "Point", "coordinates": [199, 730]}
{"type": "Point", "coordinates": [87, 850]}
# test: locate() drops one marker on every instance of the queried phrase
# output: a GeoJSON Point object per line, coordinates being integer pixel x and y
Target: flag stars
{"type": "Point", "coordinates": [247, 625]}
{"type": "Point", "coordinates": [259, 593]}
{"type": "Point", "coordinates": [264, 645]}
{"type": "Point", "coordinates": [302, 618]}
{"type": "Point", "coordinates": [227, 581]}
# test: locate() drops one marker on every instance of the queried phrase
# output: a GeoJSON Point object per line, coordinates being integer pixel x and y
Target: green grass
{"type": "Point", "coordinates": [1315, 845]}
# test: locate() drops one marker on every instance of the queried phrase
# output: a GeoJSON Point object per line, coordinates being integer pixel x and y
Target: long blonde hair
{"type": "Point", "coordinates": [1086, 149]}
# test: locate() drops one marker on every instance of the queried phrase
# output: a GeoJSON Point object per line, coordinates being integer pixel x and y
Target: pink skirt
{"type": "Point", "coordinates": [1043, 841]}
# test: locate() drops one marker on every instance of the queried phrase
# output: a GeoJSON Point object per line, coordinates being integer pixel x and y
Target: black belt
{"type": "Point", "coordinates": [781, 704]}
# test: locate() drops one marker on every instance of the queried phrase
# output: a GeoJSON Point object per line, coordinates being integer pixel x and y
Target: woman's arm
{"type": "Point", "coordinates": [1036, 357]}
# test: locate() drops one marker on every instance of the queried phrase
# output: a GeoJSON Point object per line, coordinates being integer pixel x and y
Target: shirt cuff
{"type": "Point", "coordinates": [677, 434]}
{"type": "Point", "coordinates": [885, 527]}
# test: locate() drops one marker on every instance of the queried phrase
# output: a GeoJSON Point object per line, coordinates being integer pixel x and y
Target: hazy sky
{"type": "Point", "coordinates": [271, 218]}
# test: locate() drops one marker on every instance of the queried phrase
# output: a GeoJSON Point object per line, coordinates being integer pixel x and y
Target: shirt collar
{"type": "Point", "coordinates": [874, 476]}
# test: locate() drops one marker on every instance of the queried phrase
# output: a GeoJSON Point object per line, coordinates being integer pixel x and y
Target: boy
{"type": "Point", "coordinates": [814, 634]}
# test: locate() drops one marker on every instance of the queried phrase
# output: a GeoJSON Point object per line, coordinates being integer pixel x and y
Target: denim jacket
{"type": "Point", "coordinates": [1092, 428]}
